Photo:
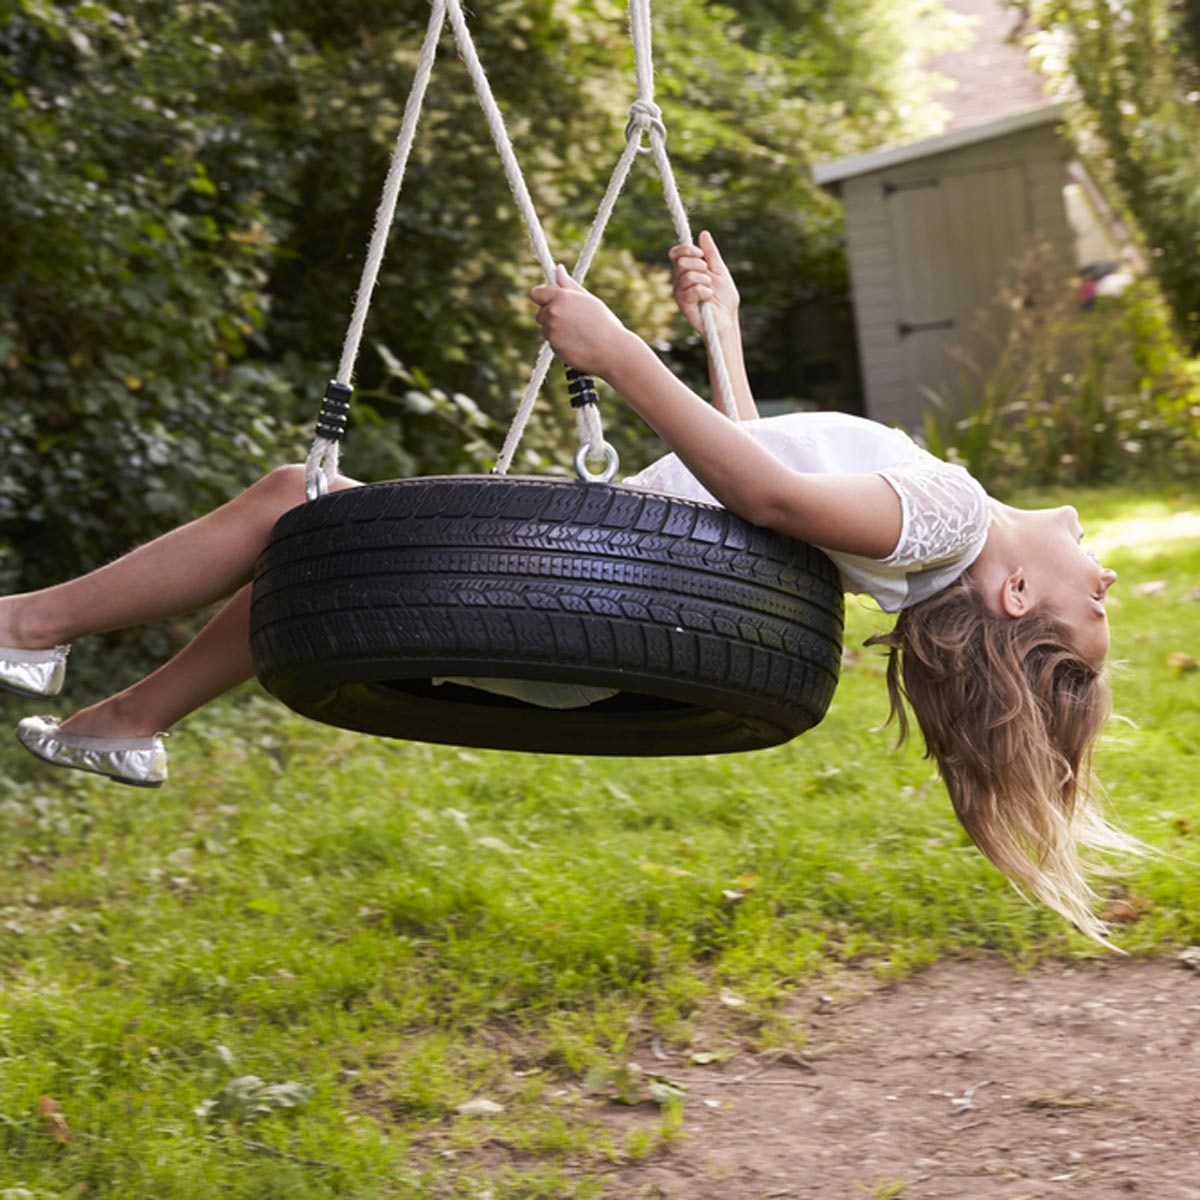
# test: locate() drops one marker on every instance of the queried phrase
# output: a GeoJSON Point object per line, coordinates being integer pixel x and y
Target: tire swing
{"type": "Point", "coordinates": [433, 609]}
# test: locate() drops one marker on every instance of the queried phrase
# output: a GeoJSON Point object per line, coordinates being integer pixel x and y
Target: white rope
{"type": "Point", "coordinates": [591, 432]}
{"type": "Point", "coordinates": [323, 458]}
{"type": "Point", "coordinates": [322, 463]}
{"type": "Point", "coordinates": [593, 436]}
{"type": "Point", "coordinates": [707, 316]}
{"type": "Point", "coordinates": [640, 29]}
{"type": "Point", "coordinates": [642, 32]}
{"type": "Point", "coordinates": [495, 120]}
{"type": "Point", "coordinates": [645, 119]}
{"type": "Point", "coordinates": [386, 211]}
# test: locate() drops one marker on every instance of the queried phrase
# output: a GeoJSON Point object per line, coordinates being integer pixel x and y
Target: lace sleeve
{"type": "Point", "coordinates": [945, 512]}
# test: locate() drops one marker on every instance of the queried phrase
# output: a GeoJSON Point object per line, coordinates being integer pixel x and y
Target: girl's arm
{"type": "Point", "coordinates": [855, 514]}
{"type": "Point", "coordinates": [701, 274]}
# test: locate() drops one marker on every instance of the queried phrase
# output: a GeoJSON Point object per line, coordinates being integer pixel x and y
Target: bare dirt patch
{"type": "Point", "coordinates": [968, 1080]}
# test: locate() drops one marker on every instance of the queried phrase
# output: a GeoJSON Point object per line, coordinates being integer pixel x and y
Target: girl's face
{"type": "Point", "coordinates": [1066, 578]}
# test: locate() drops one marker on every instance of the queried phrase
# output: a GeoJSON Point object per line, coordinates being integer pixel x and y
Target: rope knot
{"type": "Point", "coordinates": [645, 117]}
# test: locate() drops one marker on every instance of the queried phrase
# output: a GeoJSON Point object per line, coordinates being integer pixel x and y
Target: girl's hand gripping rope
{"type": "Point", "coordinates": [582, 329]}
{"type": "Point", "coordinates": [701, 274]}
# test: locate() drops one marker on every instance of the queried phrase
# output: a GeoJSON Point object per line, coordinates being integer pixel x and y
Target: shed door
{"type": "Point", "coordinates": [955, 238]}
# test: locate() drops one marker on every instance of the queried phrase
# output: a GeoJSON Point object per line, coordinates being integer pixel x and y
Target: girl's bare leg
{"type": "Point", "coordinates": [214, 661]}
{"type": "Point", "coordinates": [181, 571]}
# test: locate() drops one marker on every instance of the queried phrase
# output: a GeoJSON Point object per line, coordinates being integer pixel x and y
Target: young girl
{"type": "Point", "coordinates": [999, 645]}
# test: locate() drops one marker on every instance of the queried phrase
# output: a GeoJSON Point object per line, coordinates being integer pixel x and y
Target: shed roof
{"type": "Point", "coordinates": [988, 75]}
{"type": "Point", "coordinates": [834, 172]}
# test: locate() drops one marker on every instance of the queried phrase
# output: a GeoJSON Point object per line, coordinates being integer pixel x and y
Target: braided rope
{"type": "Point", "coordinates": [322, 462]}
{"type": "Point", "coordinates": [500, 138]}
{"type": "Point", "coordinates": [323, 457]}
{"type": "Point", "coordinates": [592, 435]}
{"type": "Point", "coordinates": [645, 119]}
{"type": "Point", "coordinates": [683, 233]}
{"type": "Point", "coordinates": [640, 29]}
{"type": "Point", "coordinates": [590, 430]}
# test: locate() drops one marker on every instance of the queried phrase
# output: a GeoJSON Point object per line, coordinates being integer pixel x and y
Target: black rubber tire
{"type": "Point", "coordinates": [721, 635]}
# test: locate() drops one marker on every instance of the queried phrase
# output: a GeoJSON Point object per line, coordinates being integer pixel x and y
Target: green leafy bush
{"type": "Point", "coordinates": [133, 287]}
{"type": "Point", "coordinates": [1075, 395]}
{"type": "Point", "coordinates": [1133, 72]}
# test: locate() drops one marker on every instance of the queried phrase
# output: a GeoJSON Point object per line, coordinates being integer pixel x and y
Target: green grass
{"type": "Point", "coordinates": [399, 929]}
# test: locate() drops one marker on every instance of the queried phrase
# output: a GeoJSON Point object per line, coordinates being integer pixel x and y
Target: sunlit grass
{"type": "Point", "coordinates": [404, 929]}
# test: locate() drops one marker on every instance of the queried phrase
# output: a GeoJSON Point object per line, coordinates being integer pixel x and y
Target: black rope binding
{"type": "Point", "coordinates": [335, 410]}
{"type": "Point", "coordinates": [582, 388]}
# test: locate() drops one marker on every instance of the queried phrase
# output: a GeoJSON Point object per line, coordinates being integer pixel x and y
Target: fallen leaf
{"type": "Point", "coordinates": [1182, 662]}
{"type": "Point", "coordinates": [622, 1085]}
{"type": "Point", "coordinates": [479, 1108]}
{"type": "Point", "coordinates": [966, 1102]}
{"type": "Point", "coordinates": [1152, 587]}
{"type": "Point", "coordinates": [1063, 1099]}
{"type": "Point", "coordinates": [731, 999]}
{"type": "Point", "coordinates": [1182, 827]}
{"type": "Point", "coordinates": [1126, 911]}
{"type": "Point", "coordinates": [664, 1091]}
{"type": "Point", "coordinates": [1123, 905]}
{"type": "Point", "coordinates": [628, 1084]}
{"type": "Point", "coordinates": [56, 1123]}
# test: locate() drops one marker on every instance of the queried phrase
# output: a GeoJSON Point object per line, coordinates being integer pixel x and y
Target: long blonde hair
{"type": "Point", "coordinates": [1010, 712]}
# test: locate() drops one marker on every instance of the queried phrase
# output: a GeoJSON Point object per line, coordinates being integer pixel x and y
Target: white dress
{"type": "Point", "coordinates": [943, 526]}
{"type": "Point", "coordinates": [944, 512]}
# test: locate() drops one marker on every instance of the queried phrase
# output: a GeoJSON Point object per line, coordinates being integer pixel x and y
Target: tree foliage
{"type": "Point", "coordinates": [1136, 68]}
{"type": "Point", "coordinates": [186, 191]}
{"type": "Point", "coordinates": [133, 286]}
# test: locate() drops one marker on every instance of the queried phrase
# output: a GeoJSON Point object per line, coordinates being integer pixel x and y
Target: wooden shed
{"type": "Point", "coordinates": [934, 230]}
{"type": "Point", "coordinates": [935, 227]}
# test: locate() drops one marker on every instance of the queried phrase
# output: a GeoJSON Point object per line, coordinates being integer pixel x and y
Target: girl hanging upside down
{"type": "Point", "coordinates": [999, 645]}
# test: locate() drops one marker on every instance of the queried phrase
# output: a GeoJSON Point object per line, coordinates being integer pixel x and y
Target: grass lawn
{"type": "Point", "coordinates": [283, 975]}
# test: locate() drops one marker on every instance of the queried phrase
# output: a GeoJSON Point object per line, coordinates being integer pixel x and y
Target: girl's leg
{"type": "Point", "coordinates": [179, 572]}
{"type": "Point", "coordinates": [215, 661]}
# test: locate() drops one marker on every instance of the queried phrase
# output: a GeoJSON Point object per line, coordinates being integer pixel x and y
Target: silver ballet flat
{"type": "Point", "coordinates": [33, 672]}
{"type": "Point", "coordinates": [140, 762]}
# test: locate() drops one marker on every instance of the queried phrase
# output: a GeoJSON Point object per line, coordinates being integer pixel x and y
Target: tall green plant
{"type": "Point", "coordinates": [1134, 67]}
{"type": "Point", "coordinates": [1075, 395]}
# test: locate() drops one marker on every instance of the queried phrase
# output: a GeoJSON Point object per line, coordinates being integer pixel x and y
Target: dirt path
{"type": "Point", "coordinates": [965, 1081]}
